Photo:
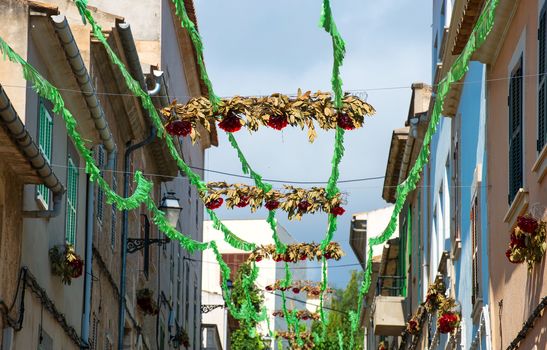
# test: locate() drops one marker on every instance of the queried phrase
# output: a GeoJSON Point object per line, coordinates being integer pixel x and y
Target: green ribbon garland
{"type": "Point", "coordinates": [327, 22]}
{"type": "Point", "coordinates": [458, 70]}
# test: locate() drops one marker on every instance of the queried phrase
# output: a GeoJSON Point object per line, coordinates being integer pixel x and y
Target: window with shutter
{"type": "Point", "coordinates": [71, 202]}
{"type": "Point", "coordinates": [45, 131]}
{"type": "Point", "coordinates": [542, 80]}
{"type": "Point", "coordinates": [515, 131]}
{"type": "Point", "coordinates": [100, 192]}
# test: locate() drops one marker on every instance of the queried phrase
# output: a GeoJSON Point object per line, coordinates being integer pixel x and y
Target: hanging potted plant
{"type": "Point", "coordinates": [527, 241]}
{"type": "Point", "coordinates": [181, 338]}
{"type": "Point", "coordinates": [146, 302]}
{"type": "Point", "coordinates": [65, 263]}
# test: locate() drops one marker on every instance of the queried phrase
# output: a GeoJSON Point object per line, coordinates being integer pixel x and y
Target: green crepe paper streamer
{"type": "Point", "coordinates": [246, 168]}
{"type": "Point", "coordinates": [341, 340]}
{"type": "Point", "coordinates": [457, 71]}
{"type": "Point", "coordinates": [266, 187]}
{"type": "Point", "coordinates": [339, 50]}
{"type": "Point", "coordinates": [327, 22]}
{"type": "Point", "coordinates": [46, 90]}
{"type": "Point", "coordinates": [186, 23]}
{"type": "Point", "coordinates": [147, 104]}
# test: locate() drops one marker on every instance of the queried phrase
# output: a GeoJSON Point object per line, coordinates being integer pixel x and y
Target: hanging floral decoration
{"type": "Point", "coordinates": [303, 315]}
{"type": "Point", "coordinates": [527, 241]}
{"type": "Point", "coordinates": [297, 252]}
{"type": "Point", "coordinates": [65, 263]}
{"type": "Point", "coordinates": [382, 346]}
{"type": "Point", "coordinates": [181, 338]}
{"type": "Point", "coordinates": [276, 111]}
{"type": "Point", "coordinates": [146, 301]}
{"type": "Point", "coordinates": [435, 296]}
{"type": "Point", "coordinates": [313, 290]}
{"type": "Point", "coordinates": [295, 201]}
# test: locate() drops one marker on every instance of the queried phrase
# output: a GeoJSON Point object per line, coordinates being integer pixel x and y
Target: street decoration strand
{"type": "Point", "coordinates": [457, 71]}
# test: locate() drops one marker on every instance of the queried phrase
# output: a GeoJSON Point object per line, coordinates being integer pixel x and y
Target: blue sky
{"type": "Point", "coordinates": [261, 47]}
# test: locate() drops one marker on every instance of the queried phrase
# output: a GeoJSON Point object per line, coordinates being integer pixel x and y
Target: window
{"type": "Point", "coordinates": [100, 193]}
{"type": "Point", "coordinates": [114, 209]}
{"type": "Point", "coordinates": [71, 202]}
{"type": "Point", "coordinates": [475, 249]}
{"type": "Point", "coordinates": [45, 129]}
{"type": "Point", "coordinates": [515, 131]}
{"type": "Point", "coordinates": [542, 81]}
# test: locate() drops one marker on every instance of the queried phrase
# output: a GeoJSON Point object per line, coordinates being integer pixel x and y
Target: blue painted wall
{"type": "Point", "coordinates": [437, 182]}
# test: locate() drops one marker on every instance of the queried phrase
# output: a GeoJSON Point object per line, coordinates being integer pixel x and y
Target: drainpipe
{"type": "Point", "coordinates": [84, 81]}
{"type": "Point", "coordinates": [10, 119]}
{"type": "Point", "coordinates": [125, 218]}
{"type": "Point", "coordinates": [88, 265]}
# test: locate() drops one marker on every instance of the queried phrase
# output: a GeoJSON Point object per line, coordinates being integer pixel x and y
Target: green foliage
{"type": "Point", "coordinates": [342, 300]}
{"type": "Point", "coordinates": [246, 337]}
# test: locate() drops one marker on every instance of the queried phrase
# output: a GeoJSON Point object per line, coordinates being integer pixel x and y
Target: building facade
{"type": "Point", "coordinates": [486, 168]}
{"type": "Point", "coordinates": [85, 313]}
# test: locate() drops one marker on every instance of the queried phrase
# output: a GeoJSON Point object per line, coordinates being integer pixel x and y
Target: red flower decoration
{"type": "Point", "coordinates": [230, 123]}
{"type": "Point", "coordinates": [412, 326]}
{"type": "Point", "coordinates": [345, 122]}
{"type": "Point", "coordinates": [527, 224]}
{"type": "Point", "coordinates": [296, 290]}
{"type": "Point", "coordinates": [269, 288]}
{"type": "Point", "coordinates": [303, 206]}
{"type": "Point", "coordinates": [243, 201]}
{"type": "Point", "coordinates": [517, 241]}
{"type": "Point", "coordinates": [77, 266]}
{"type": "Point", "coordinates": [272, 205]}
{"type": "Point", "coordinates": [179, 128]}
{"type": "Point", "coordinates": [336, 211]}
{"type": "Point", "coordinates": [214, 204]}
{"type": "Point", "coordinates": [278, 122]}
{"type": "Point", "coordinates": [448, 322]}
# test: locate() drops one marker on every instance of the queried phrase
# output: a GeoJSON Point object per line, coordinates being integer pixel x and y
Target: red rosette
{"type": "Point", "coordinates": [278, 122]}
{"type": "Point", "coordinates": [272, 205]}
{"type": "Point", "coordinates": [527, 224]}
{"type": "Point", "coordinates": [179, 128]}
{"type": "Point", "coordinates": [214, 204]}
{"type": "Point", "coordinates": [230, 123]}
{"type": "Point", "coordinates": [337, 211]}
{"type": "Point", "coordinates": [345, 122]}
{"type": "Point", "coordinates": [243, 201]}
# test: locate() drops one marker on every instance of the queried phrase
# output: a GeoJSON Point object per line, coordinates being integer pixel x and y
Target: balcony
{"type": "Point", "coordinates": [389, 315]}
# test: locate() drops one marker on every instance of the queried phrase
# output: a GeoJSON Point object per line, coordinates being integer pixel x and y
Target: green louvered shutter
{"type": "Point", "coordinates": [515, 132]}
{"type": "Point", "coordinates": [45, 131]}
{"type": "Point", "coordinates": [71, 202]}
{"type": "Point", "coordinates": [542, 90]}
